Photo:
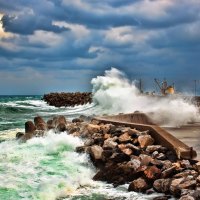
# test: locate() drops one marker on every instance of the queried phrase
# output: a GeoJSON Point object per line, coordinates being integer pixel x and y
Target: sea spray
{"type": "Point", "coordinates": [114, 93]}
{"type": "Point", "coordinates": [48, 168]}
{"type": "Point", "coordinates": [43, 168]}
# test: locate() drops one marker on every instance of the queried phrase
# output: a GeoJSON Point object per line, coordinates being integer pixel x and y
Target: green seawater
{"type": "Point", "coordinates": [47, 168]}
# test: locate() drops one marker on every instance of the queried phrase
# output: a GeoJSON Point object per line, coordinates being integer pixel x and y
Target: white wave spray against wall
{"type": "Point", "coordinates": [114, 93]}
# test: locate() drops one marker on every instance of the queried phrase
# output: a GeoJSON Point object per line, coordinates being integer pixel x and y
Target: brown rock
{"type": "Point", "coordinates": [145, 159]}
{"type": "Point", "coordinates": [198, 179]}
{"type": "Point", "coordinates": [186, 173]}
{"type": "Point", "coordinates": [40, 124]}
{"type": "Point", "coordinates": [152, 148]}
{"type": "Point", "coordinates": [95, 152]}
{"type": "Point", "coordinates": [174, 186]}
{"type": "Point", "coordinates": [152, 172]}
{"type": "Point", "coordinates": [50, 124]}
{"type": "Point", "coordinates": [168, 172]}
{"type": "Point", "coordinates": [185, 164]}
{"type": "Point", "coordinates": [77, 120]}
{"type": "Point", "coordinates": [161, 156]}
{"type": "Point", "coordinates": [127, 151]}
{"type": "Point", "coordinates": [189, 184]}
{"type": "Point", "coordinates": [106, 128]}
{"type": "Point", "coordinates": [109, 143]}
{"type": "Point", "coordinates": [162, 185]}
{"type": "Point", "coordinates": [134, 164]}
{"type": "Point", "coordinates": [197, 165]}
{"type": "Point", "coordinates": [162, 198]}
{"type": "Point", "coordinates": [187, 197]}
{"type": "Point", "coordinates": [145, 140]}
{"type": "Point", "coordinates": [92, 128]}
{"type": "Point", "coordinates": [139, 185]}
{"type": "Point", "coordinates": [19, 135]}
{"type": "Point", "coordinates": [29, 127]}
{"type": "Point", "coordinates": [124, 138]}
{"type": "Point", "coordinates": [82, 149]}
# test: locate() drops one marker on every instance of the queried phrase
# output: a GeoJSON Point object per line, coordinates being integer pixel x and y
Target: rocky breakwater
{"type": "Point", "coordinates": [68, 99]}
{"type": "Point", "coordinates": [125, 155]}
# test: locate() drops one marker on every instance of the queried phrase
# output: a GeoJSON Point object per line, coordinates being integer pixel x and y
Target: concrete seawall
{"type": "Point", "coordinates": [142, 122]}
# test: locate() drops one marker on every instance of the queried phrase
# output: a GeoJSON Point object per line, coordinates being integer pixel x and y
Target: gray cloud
{"type": "Point", "coordinates": [144, 38]}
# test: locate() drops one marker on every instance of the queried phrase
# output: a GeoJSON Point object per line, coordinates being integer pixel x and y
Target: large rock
{"type": "Point", "coordinates": [92, 128]}
{"type": "Point", "coordinates": [125, 138]}
{"type": "Point", "coordinates": [152, 172]}
{"type": "Point", "coordinates": [174, 186]}
{"type": "Point", "coordinates": [29, 127]}
{"type": "Point", "coordinates": [19, 135]}
{"type": "Point", "coordinates": [139, 185]}
{"type": "Point", "coordinates": [68, 99]}
{"type": "Point", "coordinates": [145, 140]}
{"type": "Point", "coordinates": [95, 152]}
{"type": "Point", "coordinates": [40, 124]}
{"type": "Point", "coordinates": [162, 185]}
{"type": "Point", "coordinates": [60, 123]}
{"type": "Point", "coordinates": [50, 124]}
{"type": "Point", "coordinates": [187, 197]}
{"type": "Point", "coordinates": [109, 143]}
{"type": "Point", "coordinates": [168, 172]}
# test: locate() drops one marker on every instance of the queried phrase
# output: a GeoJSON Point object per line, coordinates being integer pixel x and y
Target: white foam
{"type": "Point", "coordinates": [114, 93]}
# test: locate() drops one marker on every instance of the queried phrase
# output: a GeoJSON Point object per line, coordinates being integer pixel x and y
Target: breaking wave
{"type": "Point", "coordinates": [114, 93]}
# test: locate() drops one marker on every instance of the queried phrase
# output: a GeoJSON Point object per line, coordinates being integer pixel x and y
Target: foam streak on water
{"type": "Point", "coordinates": [43, 168]}
{"type": "Point", "coordinates": [48, 168]}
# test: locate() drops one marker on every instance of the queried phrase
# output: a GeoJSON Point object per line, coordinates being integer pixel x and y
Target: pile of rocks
{"type": "Point", "coordinates": [125, 155]}
{"type": "Point", "coordinates": [68, 99]}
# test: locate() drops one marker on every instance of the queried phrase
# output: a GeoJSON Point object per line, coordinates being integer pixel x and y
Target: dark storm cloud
{"type": "Point", "coordinates": [27, 24]}
{"type": "Point", "coordinates": [144, 38]}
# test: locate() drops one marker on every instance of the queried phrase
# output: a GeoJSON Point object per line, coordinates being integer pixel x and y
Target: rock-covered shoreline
{"type": "Point", "coordinates": [67, 99]}
{"type": "Point", "coordinates": [125, 155]}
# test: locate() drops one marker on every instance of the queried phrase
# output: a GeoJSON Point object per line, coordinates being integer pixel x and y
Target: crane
{"type": "Point", "coordinates": [164, 88]}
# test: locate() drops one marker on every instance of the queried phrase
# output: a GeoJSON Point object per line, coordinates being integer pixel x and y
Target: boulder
{"type": "Point", "coordinates": [29, 127]}
{"type": "Point", "coordinates": [105, 128]}
{"type": "Point", "coordinates": [82, 149]}
{"type": "Point", "coordinates": [168, 172]}
{"type": "Point", "coordinates": [139, 185]}
{"type": "Point", "coordinates": [187, 197]}
{"type": "Point", "coordinates": [152, 148]}
{"type": "Point", "coordinates": [95, 152]}
{"type": "Point", "coordinates": [19, 135]}
{"type": "Point", "coordinates": [162, 185]}
{"type": "Point", "coordinates": [50, 124]}
{"type": "Point", "coordinates": [145, 140]}
{"type": "Point", "coordinates": [152, 172]}
{"type": "Point", "coordinates": [134, 164]}
{"type": "Point", "coordinates": [174, 186]}
{"type": "Point", "coordinates": [145, 159]}
{"type": "Point", "coordinates": [92, 128]}
{"type": "Point", "coordinates": [125, 138]}
{"type": "Point", "coordinates": [40, 124]}
{"type": "Point", "coordinates": [109, 143]}
{"type": "Point", "coordinates": [77, 120]}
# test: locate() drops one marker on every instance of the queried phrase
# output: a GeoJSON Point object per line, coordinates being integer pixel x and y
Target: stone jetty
{"type": "Point", "coordinates": [68, 99]}
{"type": "Point", "coordinates": [126, 155]}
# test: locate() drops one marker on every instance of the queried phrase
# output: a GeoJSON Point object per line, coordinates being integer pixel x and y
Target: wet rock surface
{"type": "Point", "coordinates": [124, 155]}
{"type": "Point", "coordinates": [68, 99]}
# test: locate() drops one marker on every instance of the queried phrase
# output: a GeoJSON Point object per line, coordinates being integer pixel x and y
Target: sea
{"type": "Point", "coordinates": [48, 168]}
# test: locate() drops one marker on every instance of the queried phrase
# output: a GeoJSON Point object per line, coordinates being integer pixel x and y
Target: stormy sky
{"type": "Point", "coordinates": [59, 45]}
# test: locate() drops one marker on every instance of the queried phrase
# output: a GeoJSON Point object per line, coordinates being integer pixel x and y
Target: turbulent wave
{"type": "Point", "coordinates": [15, 111]}
{"type": "Point", "coordinates": [114, 93]}
{"type": "Point", "coordinates": [49, 168]}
